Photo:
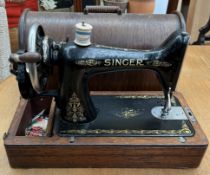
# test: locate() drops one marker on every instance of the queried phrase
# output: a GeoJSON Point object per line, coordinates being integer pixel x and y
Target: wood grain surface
{"type": "Point", "coordinates": [194, 84]}
{"type": "Point", "coordinates": [55, 151]}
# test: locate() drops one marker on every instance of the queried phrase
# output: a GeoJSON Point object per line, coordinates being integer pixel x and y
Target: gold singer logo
{"type": "Point", "coordinates": [123, 62]}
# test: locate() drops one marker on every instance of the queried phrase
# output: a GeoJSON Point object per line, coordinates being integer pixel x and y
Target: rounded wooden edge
{"type": "Point", "coordinates": [22, 29]}
{"type": "Point", "coordinates": [181, 20]}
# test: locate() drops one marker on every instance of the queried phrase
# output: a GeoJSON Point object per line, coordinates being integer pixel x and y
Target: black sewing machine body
{"type": "Point", "coordinates": [79, 64]}
{"type": "Point", "coordinates": [103, 128]}
{"type": "Point", "coordinates": [83, 114]}
{"type": "Point", "coordinates": [102, 115]}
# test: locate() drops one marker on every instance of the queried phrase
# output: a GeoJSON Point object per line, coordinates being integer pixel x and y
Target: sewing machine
{"type": "Point", "coordinates": [113, 121]}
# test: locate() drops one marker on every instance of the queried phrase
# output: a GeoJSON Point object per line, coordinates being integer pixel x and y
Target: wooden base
{"type": "Point", "coordinates": [53, 151]}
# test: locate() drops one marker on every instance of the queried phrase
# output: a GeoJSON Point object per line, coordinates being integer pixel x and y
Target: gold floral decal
{"type": "Point", "coordinates": [89, 62]}
{"type": "Point", "coordinates": [184, 130]}
{"type": "Point", "coordinates": [75, 111]}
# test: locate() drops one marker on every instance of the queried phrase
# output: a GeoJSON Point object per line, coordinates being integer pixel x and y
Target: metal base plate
{"type": "Point", "coordinates": [131, 116]}
{"type": "Point", "coordinates": [175, 113]}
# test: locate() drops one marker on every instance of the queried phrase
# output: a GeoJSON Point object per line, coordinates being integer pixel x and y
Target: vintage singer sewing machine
{"type": "Point", "coordinates": [103, 127]}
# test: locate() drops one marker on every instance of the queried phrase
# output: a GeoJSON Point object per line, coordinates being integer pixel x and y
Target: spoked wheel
{"type": "Point", "coordinates": [24, 83]}
{"type": "Point", "coordinates": [32, 77]}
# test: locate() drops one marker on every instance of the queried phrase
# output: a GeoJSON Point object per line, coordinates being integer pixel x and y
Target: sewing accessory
{"type": "Point", "coordinates": [83, 34]}
{"type": "Point", "coordinates": [38, 125]}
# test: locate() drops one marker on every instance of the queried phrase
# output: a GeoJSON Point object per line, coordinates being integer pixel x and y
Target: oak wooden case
{"type": "Point", "coordinates": [139, 152]}
{"type": "Point", "coordinates": [54, 151]}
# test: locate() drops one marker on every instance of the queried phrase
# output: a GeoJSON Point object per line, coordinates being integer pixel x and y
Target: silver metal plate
{"type": "Point", "coordinates": [176, 113]}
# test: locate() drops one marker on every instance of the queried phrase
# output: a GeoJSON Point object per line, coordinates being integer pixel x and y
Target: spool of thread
{"type": "Point", "coordinates": [83, 34]}
{"type": "Point", "coordinates": [4, 43]}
